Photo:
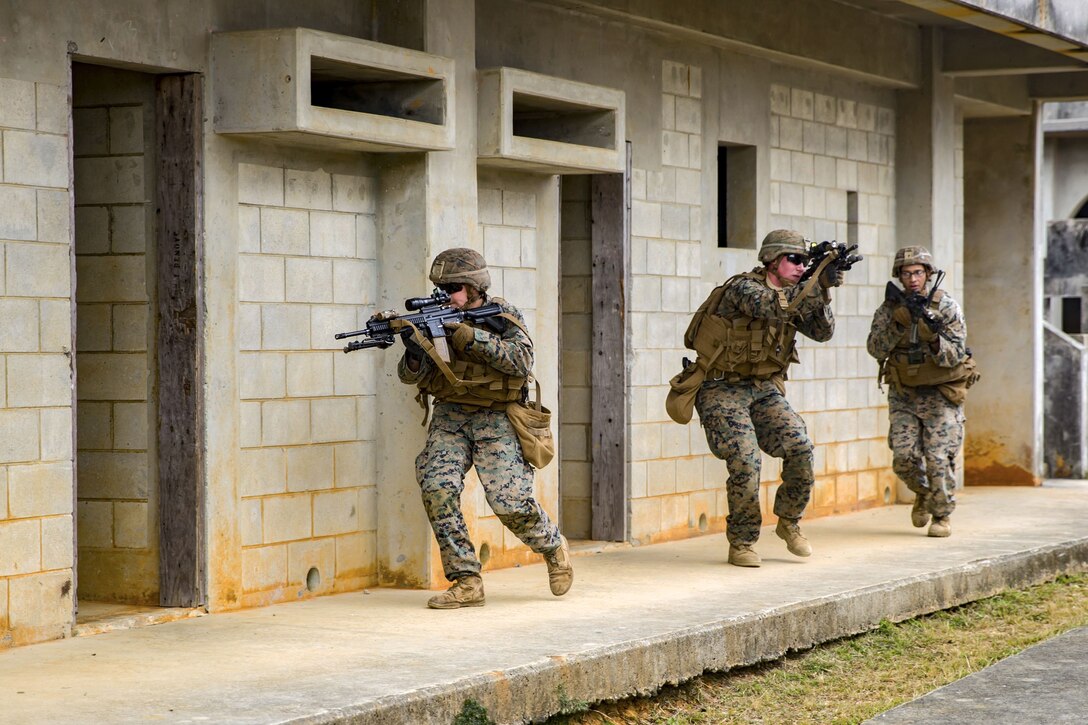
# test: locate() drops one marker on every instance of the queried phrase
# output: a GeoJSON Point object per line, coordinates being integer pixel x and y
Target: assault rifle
{"type": "Point", "coordinates": [430, 318]}
{"type": "Point", "coordinates": [916, 303]}
{"type": "Point", "coordinates": [842, 257]}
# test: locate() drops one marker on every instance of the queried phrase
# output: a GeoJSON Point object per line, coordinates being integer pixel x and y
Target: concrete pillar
{"type": "Point", "coordinates": [1003, 254]}
{"type": "Point", "coordinates": [428, 204]}
{"type": "Point", "coordinates": [925, 140]}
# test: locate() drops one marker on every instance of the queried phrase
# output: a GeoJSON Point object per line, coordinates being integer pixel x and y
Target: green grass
{"type": "Point", "coordinates": [853, 679]}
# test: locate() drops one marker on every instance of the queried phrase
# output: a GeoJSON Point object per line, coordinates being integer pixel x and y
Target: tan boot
{"type": "Point", "coordinates": [796, 542]}
{"type": "Point", "coordinates": [468, 591]}
{"type": "Point", "coordinates": [940, 527]}
{"type": "Point", "coordinates": [560, 570]}
{"type": "Point", "coordinates": [919, 516]}
{"type": "Point", "coordinates": [743, 555]}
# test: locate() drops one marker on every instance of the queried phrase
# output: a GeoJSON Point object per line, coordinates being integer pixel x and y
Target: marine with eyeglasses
{"type": "Point", "coordinates": [744, 338]}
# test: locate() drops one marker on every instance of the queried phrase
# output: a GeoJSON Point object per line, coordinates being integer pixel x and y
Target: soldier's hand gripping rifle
{"type": "Point", "coordinates": [842, 258]}
{"type": "Point", "coordinates": [916, 303]}
{"type": "Point", "coordinates": [430, 315]}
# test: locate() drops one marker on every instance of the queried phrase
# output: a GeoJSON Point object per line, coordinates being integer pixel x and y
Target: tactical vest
{"type": "Point", "coordinates": [912, 366]}
{"type": "Point", "coordinates": [467, 382]}
{"type": "Point", "coordinates": [740, 347]}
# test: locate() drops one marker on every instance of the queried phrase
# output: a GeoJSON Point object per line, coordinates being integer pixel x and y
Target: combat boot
{"type": "Point", "coordinates": [940, 527]}
{"type": "Point", "coordinates": [468, 591]}
{"type": "Point", "coordinates": [560, 570]}
{"type": "Point", "coordinates": [796, 542]}
{"type": "Point", "coordinates": [919, 516]}
{"type": "Point", "coordinates": [743, 555]}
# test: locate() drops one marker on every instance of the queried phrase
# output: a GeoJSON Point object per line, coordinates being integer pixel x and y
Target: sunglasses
{"type": "Point", "coordinates": [801, 259]}
{"type": "Point", "coordinates": [451, 287]}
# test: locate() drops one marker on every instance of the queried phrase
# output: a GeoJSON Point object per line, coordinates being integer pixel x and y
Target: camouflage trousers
{"type": "Point", "coordinates": [739, 420]}
{"type": "Point", "coordinates": [925, 434]}
{"type": "Point", "coordinates": [460, 437]}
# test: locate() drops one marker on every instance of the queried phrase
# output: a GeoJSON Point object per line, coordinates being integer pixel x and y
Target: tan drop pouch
{"type": "Point", "coordinates": [533, 424]}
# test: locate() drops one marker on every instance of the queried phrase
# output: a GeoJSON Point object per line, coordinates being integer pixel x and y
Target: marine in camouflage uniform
{"type": "Point", "coordinates": [926, 420]}
{"type": "Point", "coordinates": [742, 405]}
{"type": "Point", "coordinates": [467, 431]}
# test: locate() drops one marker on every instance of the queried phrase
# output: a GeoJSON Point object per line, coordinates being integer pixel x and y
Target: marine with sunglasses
{"type": "Point", "coordinates": [469, 426]}
{"type": "Point", "coordinates": [744, 337]}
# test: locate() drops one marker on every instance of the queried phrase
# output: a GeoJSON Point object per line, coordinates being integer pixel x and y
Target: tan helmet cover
{"type": "Point", "coordinates": [463, 265]}
{"type": "Point", "coordinates": [912, 255]}
{"type": "Point", "coordinates": [782, 241]}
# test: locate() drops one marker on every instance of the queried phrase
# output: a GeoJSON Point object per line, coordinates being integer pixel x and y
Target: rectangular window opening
{"type": "Point", "coordinates": [851, 217]}
{"type": "Point", "coordinates": [553, 119]}
{"type": "Point", "coordinates": [1071, 316]}
{"type": "Point", "coordinates": [378, 91]}
{"type": "Point", "coordinates": [736, 196]}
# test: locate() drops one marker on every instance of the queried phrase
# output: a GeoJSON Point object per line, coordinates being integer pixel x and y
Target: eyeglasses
{"type": "Point", "coordinates": [904, 274]}
{"type": "Point", "coordinates": [800, 259]}
{"type": "Point", "coordinates": [451, 288]}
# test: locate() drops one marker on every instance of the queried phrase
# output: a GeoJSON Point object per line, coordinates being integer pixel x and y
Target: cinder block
{"type": "Point", "coordinates": [521, 291]}
{"type": "Point", "coordinates": [356, 555]}
{"type": "Point", "coordinates": [780, 99]}
{"type": "Point", "coordinates": [18, 110]}
{"type": "Point", "coordinates": [52, 108]}
{"type": "Point", "coordinates": [857, 146]}
{"type": "Point", "coordinates": [815, 202]}
{"type": "Point", "coordinates": [41, 605]}
{"type": "Point", "coordinates": [126, 130]}
{"type": "Point", "coordinates": [368, 508]}
{"type": "Point", "coordinates": [92, 230]}
{"type": "Point", "coordinates": [20, 218]}
{"type": "Point", "coordinates": [674, 77]}
{"type": "Point", "coordinates": [791, 134]}
{"type": "Point", "coordinates": [20, 547]}
{"type": "Point", "coordinates": [57, 542]}
{"type": "Point", "coordinates": [249, 523]}
{"type": "Point", "coordinates": [285, 231]}
{"type": "Point", "coordinates": [112, 376]}
{"type": "Point", "coordinates": [354, 193]}
{"type": "Point", "coordinates": [262, 471]}
{"type": "Point", "coordinates": [333, 234]}
{"type": "Point", "coordinates": [112, 474]}
{"type": "Point", "coordinates": [354, 375]}
{"type": "Point", "coordinates": [18, 436]}
{"type": "Point", "coordinates": [110, 180]}
{"type": "Point", "coordinates": [780, 165]}
{"type": "Point", "coordinates": [489, 205]}
{"type": "Point", "coordinates": [801, 104]}
{"type": "Point", "coordinates": [354, 282]}
{"type": "Point", "coordinates": [660, 186]}
{"type": "Point", "coordinates": [674, 148]}
{"type": "Point", "coordinates": [354, 464]}
{"type": "Point", "coordinates": [114, 278]}
{"type": "Point", "coordinates": [518, 209]}
{"type": "Point", "coordinates": [336, 512]}
{"type": "Point", "coordinates": [285, 422]}
{"type": "Point", "coordinates": [249, 425]}
{"type": "Point", "coordinates": [287, 518]}
{"type": "Point", "coordinates": [674, 221]}
{"type": "Point", "coordinates": [53, 222]}
{"type": "Point", "coordinates": [264, 567]}
{"type": "Point", "coordinates": [366, 417]}
{"type": "Point", "coordinates": [260, 185]}
{"type": "Point", "coordinates": [333, 420]}
{"type": "Point", "coordinates": [645, 518]}
{"type": "Point", "coordinates": [40, 490]}
{"type": "Point", "coordinates": [366, 236]}
{"type": "Point", "coordinates": [94, 429]}
{"type": "Point", "coordinates": [130, 327]}
{"type": "Point", "coordinates": [689, 188]}
{"type": "Point", "coordinates": [574, 441]}
{"type": "Point", "coordinates": [94, 327]}
{"type": "Point", "coordinates": [56, 435]}
{"type": "Point", "coordinates": [249, 229]}
{"type": "Point", "coordinates": [285, 327]}
{"type": "Point", "coordinates": [689, 115]}
{"type": "Point", "coordinates": [90, 128]}
{"type": "Point", "coordinates": [310, 280]}
{"type": "Point", "coordinates": [309, 374]}
{"type": "Point", "coordinates": [668, 112]}
{"type": "Point", "coordinates": [130, 524]}
{"type": "Point", "coordinates": [326, 320]}
{"type": "Point", "coordinates": [645, 219]}
{"type": "Point", "coordinates": [262, 375]}
{"type": "Point", "coordinates": [303, 556]}
{"type": "Point", "coordinates": [261, 278]}
{"type": "Point", "coordinates": [248, 326]}
{"type": "Point", "coordinates": [128, 229]}
{"type": "Point", "coordinates": [19, 330]}
{"type": "Point", "coordinates": [502, 246]}
{"type": "Point", "coordinates": [130, 426]}
{"type": "Point", "coordinates": [308, 189]}
{"type": "Point", "coordinates": [309, 468]}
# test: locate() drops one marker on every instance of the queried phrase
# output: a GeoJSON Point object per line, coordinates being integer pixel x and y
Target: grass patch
{"type": "Point", "coordinates": [852, 679]}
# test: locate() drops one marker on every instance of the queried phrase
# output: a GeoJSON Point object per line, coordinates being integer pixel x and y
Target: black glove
{"type": "Point", "coordinates": [411, 348]}
{"type": "Point", "coordinates": [832, 276]}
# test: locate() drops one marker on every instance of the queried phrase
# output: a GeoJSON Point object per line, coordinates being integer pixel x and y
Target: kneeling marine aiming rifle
{"type": "Point", "coordinates": [430, 319]}
{"type": "Point", "coordinates": [842, 257]}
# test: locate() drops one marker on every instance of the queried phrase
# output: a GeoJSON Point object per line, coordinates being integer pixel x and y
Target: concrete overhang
{"type": "Point", "coordinates": [318, 89]}
{"type": "Point", "coordinates": [1059, 87]}
{"type": "Point", "coordinates": [993, 96]}
{"type": "Point", "coordinates": [551, 125]}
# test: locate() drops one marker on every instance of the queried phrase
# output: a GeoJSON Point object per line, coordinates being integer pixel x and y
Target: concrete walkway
{"type": "Point", "coordinates": [1047, 683]}
{"type": "Point", "coordinates": [635, 620]}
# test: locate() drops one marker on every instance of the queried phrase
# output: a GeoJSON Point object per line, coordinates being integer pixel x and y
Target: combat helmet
{"type": "Point", "coordinates": [912, 255]}
{"type": "Point", "coordinates": [782, 241]}
{"type": "Point", "coordinates": [463, 265]}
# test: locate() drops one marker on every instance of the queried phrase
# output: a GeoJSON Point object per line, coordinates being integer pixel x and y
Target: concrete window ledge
{"type": "Point", "coordinates": [550, 125]}
{"type": "Point", "coordinates": [311, 88]}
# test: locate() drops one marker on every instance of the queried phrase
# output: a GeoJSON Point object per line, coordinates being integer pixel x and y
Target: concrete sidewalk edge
{"type": "Point", "coordinates": [565, 683]}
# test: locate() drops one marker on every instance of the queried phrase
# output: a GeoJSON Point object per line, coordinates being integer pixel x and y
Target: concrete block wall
{"type": "Point", "coordinates": [823, 147]}
{"type": "Point", "coordinates": [575, 343]}
{"type": "Point", "coordinates": [116, 490]}
{"type": "Point", "coordinates": [307, 269]}
{"type": "Point", "coordinates": [36, 551]}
